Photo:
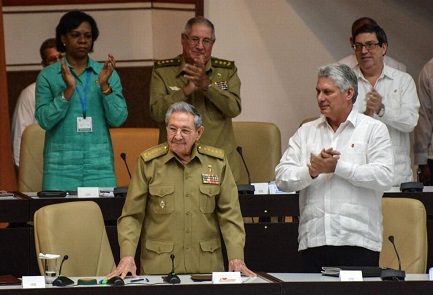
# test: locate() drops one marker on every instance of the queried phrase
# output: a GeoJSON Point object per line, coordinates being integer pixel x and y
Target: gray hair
{"type": "Point", "coordinates": [343, 77]}
{"type": "Point", "coordinates": [199, 20]}
{"type": "Point", "coordinates": [183, 107]}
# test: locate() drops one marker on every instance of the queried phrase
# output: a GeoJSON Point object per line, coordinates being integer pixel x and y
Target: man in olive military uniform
{"type": "Point", "coordinates": [209, 84]}
{"type": "Point", "coordinates": [181, 196]}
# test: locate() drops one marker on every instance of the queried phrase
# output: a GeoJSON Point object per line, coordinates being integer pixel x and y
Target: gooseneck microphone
{"type": "Point", "coordinates": [61, 264]}
{"type": "Point", "coordinates": [121, 191]}
{"type": "Point", "coordinates": [391, 239]}
{"type": "Point", "coordinates": [392, 274]}
{"type": "Point", "coordinates": [172, 278]}
{"type": "Point", "coordinates": [123, 156]}
{"type": "Point", "coordinates": [245, 189]}
{"type": "Point", "coordinates": [61, 281]}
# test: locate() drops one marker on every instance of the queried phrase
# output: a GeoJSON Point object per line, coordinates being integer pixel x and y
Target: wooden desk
{"type": "Point", "coordinates": [316, 284]}
{"type": "Point", "coordinates": [296, 283]}
{"type": "Point", "coordinates": [270, 247]}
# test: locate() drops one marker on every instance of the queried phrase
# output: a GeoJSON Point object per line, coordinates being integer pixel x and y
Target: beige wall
{"type": "Point", "coordinates": [135, 33]}
{"type": "Point", "coordinates": [279, 44]}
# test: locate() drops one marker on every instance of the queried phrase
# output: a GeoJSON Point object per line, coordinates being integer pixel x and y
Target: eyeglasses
{"type": "Point", "coordinates": [195, 41]}
{"type": "Point", "coordinates": [183, 131]}
{"type": "Point", "coordinates": [368, 46]}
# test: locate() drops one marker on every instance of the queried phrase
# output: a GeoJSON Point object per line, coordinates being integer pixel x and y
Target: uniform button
{"type": "Point", "coordinates": [187, 231]}
{"type": "Point", "coordinates": [187, 213]}
{"type": "Point", "coordinates": [187, 196]}
{"type": "Point", "coordinates": [187, 247]}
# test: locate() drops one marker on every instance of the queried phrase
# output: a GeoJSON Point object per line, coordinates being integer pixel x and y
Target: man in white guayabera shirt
{"type": "Point", "coordinates": [341, 163]}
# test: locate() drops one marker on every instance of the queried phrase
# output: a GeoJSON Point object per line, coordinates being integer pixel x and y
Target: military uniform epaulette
{"type": "Point", "coordinates": [222, 63]}
{"type": "Point", "coordinates": [211, 151]}
{"type": "Point", "coordinates": [167, 62]}
{"type": "Point", "coordinates": [155, 152]}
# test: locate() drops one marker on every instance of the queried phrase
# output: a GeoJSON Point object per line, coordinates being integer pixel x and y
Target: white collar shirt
{"type": "Point", "coordinates": [400, 98]}
{"type": "Point", "coordinates": [344, 207]}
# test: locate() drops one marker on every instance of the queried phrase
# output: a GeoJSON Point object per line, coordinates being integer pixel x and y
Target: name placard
{"type": "Point", "coordinates": [351, 276]}
{"type": "Point", "coordinates": [31, 282]}
{"type": "Point", "coordinates": [226, 277]}
{"type": "Point", "coordinates": [88, 192]}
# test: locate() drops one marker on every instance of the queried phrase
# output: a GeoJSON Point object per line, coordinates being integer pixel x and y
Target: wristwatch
{"type": "Point", "coordinates": [381, 111]}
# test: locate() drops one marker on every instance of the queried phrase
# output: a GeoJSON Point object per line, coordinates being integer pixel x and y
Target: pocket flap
{"type": "Point", "coordinates": [161, 190]}
{"type": "Point", "coordinates": [210, 245]}
{"type": "Point", "coordinates": [210, 190]}
{"type": "Point", "coordinates": [159, 247]}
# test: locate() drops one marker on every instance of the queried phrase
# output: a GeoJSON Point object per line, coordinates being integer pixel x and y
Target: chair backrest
{"type": "Point", "coordinates": [75, 229]}
{"type": "Point", "coordinates": [405, 219]}
{"type": "Point", "coordinates": [31, 168]}
{"type": "Point", "coordinates": [306, 120]}
{"type": "Point", "coordinates": [132, 142]}
{"type": "Point", "coordinates": [261, 148]}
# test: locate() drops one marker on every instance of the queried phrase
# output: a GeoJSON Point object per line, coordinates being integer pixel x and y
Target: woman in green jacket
{"type": "Point", "coordinates": [77, 100]}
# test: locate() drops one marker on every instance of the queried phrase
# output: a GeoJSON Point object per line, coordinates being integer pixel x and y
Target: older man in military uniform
{"type": "Point", "coordinates": [209, 84]}
{"type": "Point", "coordinates": [182, 195]}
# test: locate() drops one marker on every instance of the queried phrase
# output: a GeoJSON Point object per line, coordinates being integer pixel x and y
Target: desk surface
{"type": "Point", "coordinates": [257, 285]}
{"type": "Point", "coordinates": [289, 283]}
{"type": "Point", "coordinates": [316, 277]}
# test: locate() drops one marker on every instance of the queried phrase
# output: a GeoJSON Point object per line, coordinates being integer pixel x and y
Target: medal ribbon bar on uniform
{"type": "Point", "coordinates": [210, 178]}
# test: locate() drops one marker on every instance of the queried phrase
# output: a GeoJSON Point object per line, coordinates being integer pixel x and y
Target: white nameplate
{"type": "Point", "coordinates": [226, 277]}
{"type": "Point", "coordinates": [31, 282]}
{"type": "Point", "coordinates": [274, 190]}
{"type": "Point", "coordinates": [261, 188]}
{"type": "Point", "coordinates": [88, 192]}
{"type": "Point", "coordinates": [350, 275]}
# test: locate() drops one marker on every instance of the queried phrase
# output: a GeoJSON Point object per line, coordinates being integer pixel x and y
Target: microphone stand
{"type": "Point", "coordinates": [393, 274]}
{"type": "Point", "coordinates": [61, 281]}
{"type": "Point", "coordinates": [245, 189]}
{"type": "Point", "coordinates": [121, 191]}
{"type": "Point", "coordinates": [172, 278]}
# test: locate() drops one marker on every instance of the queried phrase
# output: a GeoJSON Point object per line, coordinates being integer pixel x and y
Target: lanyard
{"type": "Point", "coordinates": [83, 97]}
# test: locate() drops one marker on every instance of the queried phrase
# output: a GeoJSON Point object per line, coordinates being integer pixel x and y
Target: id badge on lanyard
{"type": "Point", "coordinates": [84, 123]}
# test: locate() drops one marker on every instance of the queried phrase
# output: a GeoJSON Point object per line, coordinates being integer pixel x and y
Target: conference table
{"type": "Point", "coordinates": [270, 246]}
{"type": "Point", "coordinates": [264, 283]}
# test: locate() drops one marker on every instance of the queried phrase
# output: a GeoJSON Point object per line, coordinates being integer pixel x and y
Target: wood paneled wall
{"type": "Point", "coordinates": [135, 82]}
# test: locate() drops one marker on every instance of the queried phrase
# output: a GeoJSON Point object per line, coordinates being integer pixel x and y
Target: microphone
{"type": "Point", "coordinates": [121, 191]}
{"type": "Point", "coordinates": [61, 264]}
{"type": "Point", "coordinates": [391, 239]}
{"type": "Point", "coordinates": [245, 189]}
{"type": "Point", "coordinates": [61, 280]}
{"type": "Point", "coordinates": [392, 274]}
{"type": "Point", "coordinates": [123, 156]}
{"type": "Point", "coordinates": [172, 278]}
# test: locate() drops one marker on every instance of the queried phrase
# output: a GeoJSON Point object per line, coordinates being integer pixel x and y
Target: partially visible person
{"type": "Point", "coordinates": [423, 135]}
{"type": "Point", "coordinates": [351, 60]}
{"type": "Point", "coordinates": [210, 84]}
{"type": "Point", "coordinates": [341, 163]}
{"type": "Point", "coordinates": [387, 95]}
{"type": "Point", "coordinates": [181, 200]}
{"type": "Point", "coordinates": [77, 100]}
{"type": "Point", "coordinates": [24, 114]}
